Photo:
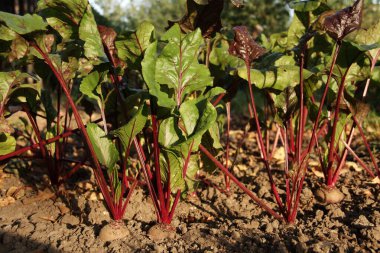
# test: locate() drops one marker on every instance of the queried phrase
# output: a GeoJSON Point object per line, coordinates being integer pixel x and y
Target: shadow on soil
{"type": "Point", "coordinates": [13, 243]}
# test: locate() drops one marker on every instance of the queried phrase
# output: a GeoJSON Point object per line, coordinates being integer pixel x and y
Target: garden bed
{"type": "Point", "coordinates": [39, 221]}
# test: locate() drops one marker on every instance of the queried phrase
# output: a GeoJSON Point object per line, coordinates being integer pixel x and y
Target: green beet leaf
{"type": "Point", "coordinates": [90, 84]}
{"type": "Point", "coordinates": [63, 27]}
{"type": "Point", "coordinates": [127, 132]}
{"type": "Point", "coordinates": [286, 103]}
{"type": "Point", "coordinates": [207, 116]}
{"type": "Point", "coordinates": [296, 30]}
{"type": "Point", "coordinates": [45, 42]}
{"type": "Point", "coordinates": [88, 32]}
{"type": "Point", "coordinates": [376, 75]}
{"type": "Point", "coordinates": [277, 78]}
{"type": "Point", "coordinates": [178, 68]}
{"type": "Point", "coordinates": [72, 10]}
{"type": "Point", "coordinates": [213, 92]}
{"type": "Point", "coordinates": [63, 16]}
{"type": "Point", "coordinates": [190, 115]}
{"type": "Point", "coordinates": [368, 39]}
{"type": "Point", "coordinates": [192, 169]}
{"type": "Point", "coordinates": [12, 89]}
{"type": "Point", "coordinates": [353, 58]}
{"type": "Point", "coordinates": [52, 132]}
{"type": "Point", "coordinates": [171, 163]}
{"type": "Point", "coordinates": [211, 140]}
{"type": "Point", "coordinates": [132, 48]}
{"type": "Point", "coordinates": [304, 5]}
{"type": "Point", "coordinates": [26, 93]}
{"type": "Point", "coordinates": [340, 133]}
{"type": "Point", "coordinates": [70, 68]}
{"type": "Point", "coordinates": [105, 149]}
{"type": "Point", "coordinates": [149, 72]}
{"type": "Point", "coordinates": [23, 24]}
{"type": "Point", "coordinates": [7, 34]}
{"type": "Point", "coordinates": [215, 136]}
{"type": "Point", "coordinates": [74, 19]}
{"type": "Point", "coordinates": [169, 133]}
{"type": "Point", "coordinates": [220, 57]}
{"type": "Point", "coordinates": [7, 143]}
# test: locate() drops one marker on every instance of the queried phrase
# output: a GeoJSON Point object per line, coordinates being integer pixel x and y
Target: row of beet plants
{"type": "Point", "coordinates": [162, 101]}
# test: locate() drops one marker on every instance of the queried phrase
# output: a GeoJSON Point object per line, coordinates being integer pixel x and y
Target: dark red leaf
{"type": "Point", "coordinates": [244, 45]}
{"type": "Point", "coordinates": [345, 21]}
{"type": "Point", "coordinates": [206, 17]}
{"type": "Point", "coordinates": [108, 36]}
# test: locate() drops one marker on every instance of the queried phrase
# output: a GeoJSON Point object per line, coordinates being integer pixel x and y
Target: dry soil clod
{"type": "Point", "coordinates": [329, 195]}
{"type": "Point", "coordinates": [113, 231]}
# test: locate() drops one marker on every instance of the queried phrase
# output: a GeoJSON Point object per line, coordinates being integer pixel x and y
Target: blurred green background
{"type": "Point", "coordinates": [272, 15]}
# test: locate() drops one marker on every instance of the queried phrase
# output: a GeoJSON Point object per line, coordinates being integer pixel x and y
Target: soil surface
{"type": "Point", "coordinates": [35, 219]}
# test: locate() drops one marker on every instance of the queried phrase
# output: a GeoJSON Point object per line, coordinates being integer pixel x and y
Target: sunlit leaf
{"type": "Point", "coordinates": [45, 42]}
{"type": "Point", "coordinates": [89, 85]}
{"type": "Point", "coordinates": [7, 143]}
{"type": "Point", "coordinates": [214, 92]}
{"type": "Point", "coordinates": [19, 49]}
{"type": "Point", "coordinates": [105, 149]}
{"type": "Point", "coordinates": [190, 115]}
{"type": "Point", "coordinates": [73, 10]}
{"type": "Point", "coordinates": [6, 33]}
{"type": "Point", "coordinates": [220, 56]}
{"type": "Point", "coordinates": [207, 116]}
{"type": "Point", "coordinates": [296, 31]}
{"type": "Point", "coordinates": [88, 32]}
{"type": "Point", "coordinates": [10, 82]}
{"type": "Point", "coordinates": [172, 164]}
{"type": "Point", "coordinates": [61, 26]}
{"type": "Point", "coordinates": [169, 133]}
{"type": "Point", "coordinates": [177, 66]}
{"type": "Point", "coordinates": [369, 37]}
{"type": "Point", "coordinates": [149, 74]}
{"type": "Point", "coordinates": [277, 78]}
{"type": "Point", "coordinates": [23, 24]}
{"type": "Point", "coordinates": [304, 5]}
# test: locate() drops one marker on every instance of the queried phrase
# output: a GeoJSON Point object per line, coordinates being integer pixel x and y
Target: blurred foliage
{"type": "Point", "coordinates": [112, 14]}
{"type": "Point", "coordinates": [272, 15]}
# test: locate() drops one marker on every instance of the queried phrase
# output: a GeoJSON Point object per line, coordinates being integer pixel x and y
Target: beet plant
{"type": "Point", "coordinates": [181, 114]}
{"type": "Point", "coordinates": [160, 101]}
{"type": "Point", "coordinates": [162, 125]}
{"type": "Point", "coordinates": [306, 90]}
{"type": "Point", "coordinates": [22, 92]}
{"type": "Point", "coordinates": [67, 51]}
